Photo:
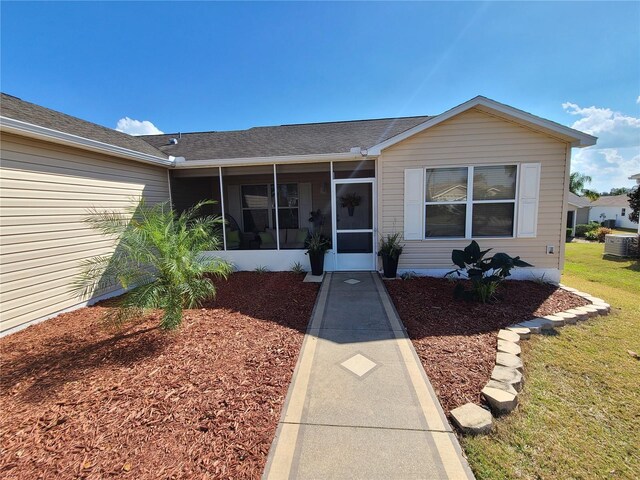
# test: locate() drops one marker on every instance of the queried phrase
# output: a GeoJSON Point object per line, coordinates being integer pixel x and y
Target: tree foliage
{"type": "Point", "coordinates": [616, 191]}
{"type": "Point", "coordinates": [577, 184]}
{"type": "Point", "coordinates": [158, 259]}
{"type": "Point", "coordinates": [634, 203]}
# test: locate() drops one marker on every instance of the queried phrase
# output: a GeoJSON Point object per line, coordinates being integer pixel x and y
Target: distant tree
{"type": "Point", "coordinates": [634, 203]}
{"type": "Point", "coordinates": [616, 191]}
{"type": "Point", "coordinates": [577, 184]}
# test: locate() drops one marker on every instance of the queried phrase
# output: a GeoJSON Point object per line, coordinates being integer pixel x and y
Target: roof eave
{"type": "Point", "coordinates": [574, 137]}
{"type": "Point", "coordinates": [26, 129]}
{"type": "Point", "coordinates": [282, 159]}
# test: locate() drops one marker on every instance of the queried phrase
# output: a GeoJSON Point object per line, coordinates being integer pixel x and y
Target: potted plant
{"type": "Point", "coordinates": [390, 250]}
{"type": "Point", "coordinates": [317, 245]}
{"type": "Point", "coordinates": [350, 201]}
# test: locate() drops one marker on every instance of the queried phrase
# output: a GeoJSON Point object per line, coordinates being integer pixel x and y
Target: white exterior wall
{"type": "Point", "coordinates": [612, 213]}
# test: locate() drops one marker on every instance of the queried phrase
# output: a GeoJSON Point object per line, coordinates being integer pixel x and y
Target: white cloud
{"type": "Point", "coordinates": [614, 128]}
{"type": "Point", "coordinates": [617, 153]}
{"type": "Point", "coordinates": [137, 127]}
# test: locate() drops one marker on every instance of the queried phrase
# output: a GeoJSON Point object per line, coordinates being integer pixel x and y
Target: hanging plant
{"type": "Point", "coordinates": [350, 201]}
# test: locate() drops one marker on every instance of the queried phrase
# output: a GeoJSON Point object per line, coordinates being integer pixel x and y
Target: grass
{"type": "Point", "coordinates": [579, 413]}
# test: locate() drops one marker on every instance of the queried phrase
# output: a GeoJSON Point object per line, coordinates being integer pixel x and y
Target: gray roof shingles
{"type": "Point", "coordinates": [17, 109]}
{"type": "Point", "coordinates": [283, 140]}
{"type": "Point", "coordinates": [578, 201]}
{"type": "Point", "coordinates": [611, 201]}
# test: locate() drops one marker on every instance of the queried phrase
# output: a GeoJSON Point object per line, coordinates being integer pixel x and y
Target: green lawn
{"type": "Point", "coordinates": [579, 412]}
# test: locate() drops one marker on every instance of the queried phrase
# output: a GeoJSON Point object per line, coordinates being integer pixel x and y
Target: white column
{"type": "Point", "coordinates": [275, 196]}
{"type": "Point", "coordinates": [224, 225]}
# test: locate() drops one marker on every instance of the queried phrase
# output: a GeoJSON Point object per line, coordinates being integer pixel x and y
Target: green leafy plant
{"type": "Point", "coordinates": [569, 235]}
{"type": "Point", "coordinates": [350, 200]}
{"type": "Point", "coordinates": [583, 228]}
{"type": "Point", "coordinates": [261, 269]}
{"type": "Point", "coordinates": [390, 245]}
{"type": "Point", "coordinates": [158, 259]}
{"type": "Point", "coordinates": [297, 267]}
{"type": "Point", "coordinates": [317, 243]}
{"type": "Point", "coordinates": [408, 275]}
{"type": "Point", "coordinates": [485, 274]}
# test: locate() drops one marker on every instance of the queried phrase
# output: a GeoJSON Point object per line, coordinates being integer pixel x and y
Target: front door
{"type": "Point", "coordinates": [353, 221]}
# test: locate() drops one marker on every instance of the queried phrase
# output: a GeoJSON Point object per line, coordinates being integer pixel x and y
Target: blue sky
{"type": "Point", "coordinates": [219, 66]}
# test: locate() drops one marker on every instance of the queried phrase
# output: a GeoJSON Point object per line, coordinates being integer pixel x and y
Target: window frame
{"type": "Point", "coordinates": [271, 203]}
{"type": "Point", "coordinates": [469, 202]}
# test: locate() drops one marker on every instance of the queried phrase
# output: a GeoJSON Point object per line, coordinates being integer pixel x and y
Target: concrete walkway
{"type": "Point", "coordinates": [360, 404]}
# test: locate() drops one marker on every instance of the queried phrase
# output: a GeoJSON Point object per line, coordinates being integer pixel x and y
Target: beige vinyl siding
{"type": "Point", "coordinates": [476, 138]}
{"type": "Point", "coordinates": [45, 192]}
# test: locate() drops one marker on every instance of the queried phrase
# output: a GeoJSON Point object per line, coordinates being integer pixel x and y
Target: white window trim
{"type": "Point", "coordinates": [469, 202]}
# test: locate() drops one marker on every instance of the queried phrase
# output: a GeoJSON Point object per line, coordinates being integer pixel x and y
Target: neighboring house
{"type": "Point", "coordinates": [482, 170]}
{"type": "Point", "coordinates": [578, 210]}
{"type": "Point", "coordinates": [612, 207]}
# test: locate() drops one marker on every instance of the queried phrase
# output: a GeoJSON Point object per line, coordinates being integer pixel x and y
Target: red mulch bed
{"type": "Point", "coordinates": [457, 340]}
{"type": "Point", "coordinates": [80, 401]}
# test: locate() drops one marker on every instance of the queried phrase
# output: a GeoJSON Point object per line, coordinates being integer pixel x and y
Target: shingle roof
{"type": "Point", "coordinates": [578, 201]}
{"type": "Point", "coordinates": [17, 109]}
{"type": "Point", "coordinates": [611, 201]}
{"type": "Point", "coordinates": [301, 139]}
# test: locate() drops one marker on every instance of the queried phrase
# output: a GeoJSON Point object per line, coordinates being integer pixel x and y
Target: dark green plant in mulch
{"type": "Point", "coordinates": [390, 246]}
{"type": "Point", "coordinates": [158, 260]}
{"type": "Point", "coordinates": [484, 273]}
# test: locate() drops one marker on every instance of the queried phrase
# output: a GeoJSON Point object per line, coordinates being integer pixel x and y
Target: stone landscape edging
{"type": "Point", "coordinates": [507, 380]}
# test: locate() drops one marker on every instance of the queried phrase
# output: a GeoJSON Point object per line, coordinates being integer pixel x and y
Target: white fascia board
{"type": "Point", "coordinates": [242, 162]}
{"type": "Point", "coordinates": [18, 127]}
{"type": "Point", "coordinates": [576, 138]}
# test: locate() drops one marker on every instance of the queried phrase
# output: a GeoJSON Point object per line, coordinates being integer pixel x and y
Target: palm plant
{"type": "Point", "coordinates": [158, 258]}
{"type": "Point", "coordinates": [577, 185]}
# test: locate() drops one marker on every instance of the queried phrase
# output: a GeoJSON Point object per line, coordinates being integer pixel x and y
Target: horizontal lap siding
{"type": "Point", "coordinates": [475, 138]}
{"type": "Point", "coordinates": [45, 192]}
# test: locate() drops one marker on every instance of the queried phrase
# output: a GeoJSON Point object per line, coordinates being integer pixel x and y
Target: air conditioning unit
{"type": "Point", "coordinates": [618, 245]}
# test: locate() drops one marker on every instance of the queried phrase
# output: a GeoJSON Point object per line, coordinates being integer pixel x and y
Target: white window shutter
{"type": "Point", "coordinates": [528, 195]}
{"type": "Point", "coordinates": [413, 203]}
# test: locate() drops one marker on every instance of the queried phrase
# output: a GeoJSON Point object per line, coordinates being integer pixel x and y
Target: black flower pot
{"type": "Point", "coordinates": [317, 263]}
{"type": "Point", "coordinates": [389, 266]}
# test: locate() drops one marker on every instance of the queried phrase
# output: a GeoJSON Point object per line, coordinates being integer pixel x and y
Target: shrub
{"type": "Point", "coordinates": [583, 228]}
{"type": "Point", "coordinates": [569, 234]}
{"type": "Point", "coordinates": [158, 258]}
{"type": "Point", "coordinates": [261, 269]}
{"type": "Point", "coordinates": [410, 275]}
{"type": "Point", "coordinates": [601, 232]}
{"type": "Point", "coordinates": [485, 274]}
{"type": "Point", "coordinates": [591, 235]}
{"type": "Point", "coordinates": [297, 267]}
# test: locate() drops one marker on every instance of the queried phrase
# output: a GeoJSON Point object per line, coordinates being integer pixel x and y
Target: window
{"type": "Point", "coordinates": [258, 207]}
{"type": "Point", "coordinates": [465, 202]}
{"type": "Point", "coordinates": [287, 206]}
{"type": "Point", "coordinates": [624, 212]}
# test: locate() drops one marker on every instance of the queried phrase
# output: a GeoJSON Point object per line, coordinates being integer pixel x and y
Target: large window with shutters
{"type": "Point", "coordinates": [470, 202]}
